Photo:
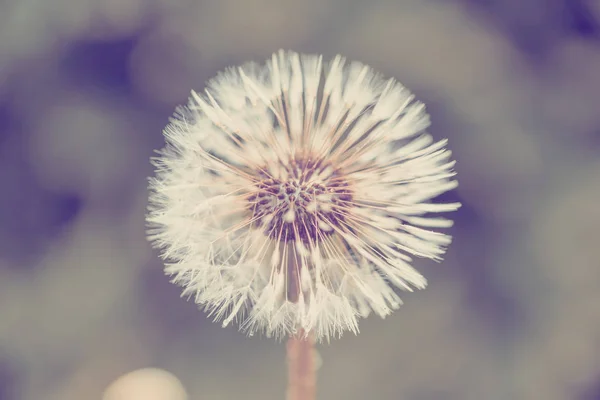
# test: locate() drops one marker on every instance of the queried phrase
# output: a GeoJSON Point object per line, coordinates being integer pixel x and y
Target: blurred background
{"type": "Point", "coordinates": [86, 87]}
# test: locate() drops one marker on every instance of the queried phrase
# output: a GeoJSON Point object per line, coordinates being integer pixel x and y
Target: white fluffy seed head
{"type": "Point", "coordinates": [289, 197]}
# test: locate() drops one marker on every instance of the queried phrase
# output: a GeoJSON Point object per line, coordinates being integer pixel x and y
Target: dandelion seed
{"type": "Point", "coordinates": [290, 197]}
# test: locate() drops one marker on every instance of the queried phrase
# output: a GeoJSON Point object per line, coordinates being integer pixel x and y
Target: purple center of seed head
{"type": "Point", "coordinates": [317, 194]}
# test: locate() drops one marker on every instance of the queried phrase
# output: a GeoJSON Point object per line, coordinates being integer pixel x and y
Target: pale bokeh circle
{"type": "Point", "coordinates": [146, 384]}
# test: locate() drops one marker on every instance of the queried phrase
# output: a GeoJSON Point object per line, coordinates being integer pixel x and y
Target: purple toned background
{"type": "Point", "coordinates": [85, 89]}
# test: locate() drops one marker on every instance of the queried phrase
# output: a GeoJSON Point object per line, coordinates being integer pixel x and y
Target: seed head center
{"type": "Point", "coordinates": [305, 202]}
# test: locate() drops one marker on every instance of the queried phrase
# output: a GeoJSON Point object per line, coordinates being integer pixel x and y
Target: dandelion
{"type": "Point", "coordinates": [292, 196]}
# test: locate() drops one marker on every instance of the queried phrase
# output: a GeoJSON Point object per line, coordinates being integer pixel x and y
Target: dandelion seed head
{"type": "Point", "coordinates": [291, 196]}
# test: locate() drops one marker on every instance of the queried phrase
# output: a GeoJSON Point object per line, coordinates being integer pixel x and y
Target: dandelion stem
{"type": "Point", "coordinates": [302, 379]}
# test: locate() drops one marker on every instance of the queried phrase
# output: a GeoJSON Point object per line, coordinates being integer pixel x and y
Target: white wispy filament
{"type": "Point", "coordinates": [290, 197]}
